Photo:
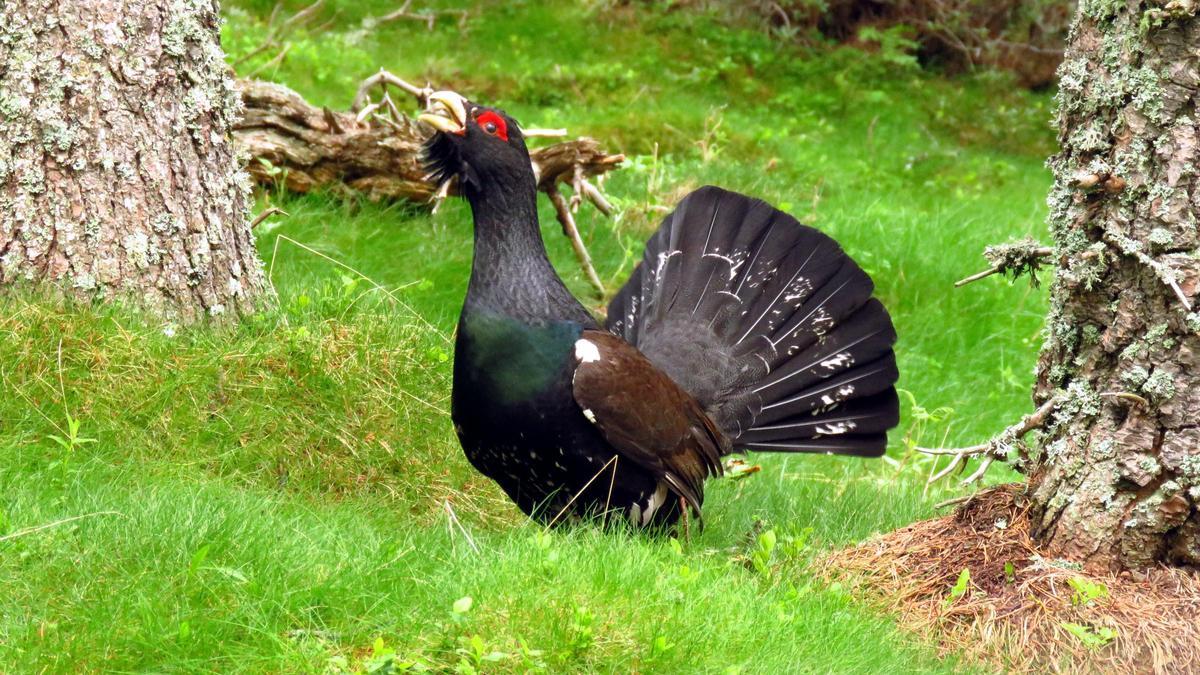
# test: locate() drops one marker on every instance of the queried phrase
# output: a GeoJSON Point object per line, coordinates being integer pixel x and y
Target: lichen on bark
{"type": "Point", "coordinates": [118, 177]}
{"type": "Point", "coordinates": [1113, 478]}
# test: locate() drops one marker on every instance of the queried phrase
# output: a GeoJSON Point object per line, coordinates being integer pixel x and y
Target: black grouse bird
{"type": "Point", "coordinates": [741, 329]}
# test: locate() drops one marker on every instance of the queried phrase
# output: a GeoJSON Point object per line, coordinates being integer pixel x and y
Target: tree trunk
{"type": "Point", "coordinates": [1115, 479]}
{"type": "Point", "coordinates": [117, 174]}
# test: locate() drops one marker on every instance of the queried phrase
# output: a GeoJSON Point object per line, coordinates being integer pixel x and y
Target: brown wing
{"type": "Point", "coordinates": [646, 416]}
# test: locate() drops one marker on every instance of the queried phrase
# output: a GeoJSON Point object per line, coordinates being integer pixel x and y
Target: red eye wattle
{"type": "Point", "coordinates": [493, 124]}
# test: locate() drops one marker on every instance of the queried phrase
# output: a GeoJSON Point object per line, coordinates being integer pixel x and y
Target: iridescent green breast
{"type": "Point", "coordinates": [510, 360]}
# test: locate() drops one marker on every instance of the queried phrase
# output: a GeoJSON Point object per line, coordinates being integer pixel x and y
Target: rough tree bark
{"type": "Point", "coordinates": [117, 174]}
{"type": "Point", "coordinates": [1115, 478]}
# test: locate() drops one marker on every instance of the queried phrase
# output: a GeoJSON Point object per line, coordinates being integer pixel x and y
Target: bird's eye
{"type": "Point", "coordinates": [493, 124]}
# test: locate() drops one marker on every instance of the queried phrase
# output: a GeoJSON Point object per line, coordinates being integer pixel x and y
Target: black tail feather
{"type": "Point", "coordinates": [768, 323]}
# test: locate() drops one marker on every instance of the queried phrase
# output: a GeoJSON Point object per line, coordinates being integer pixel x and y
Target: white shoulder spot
{"type": "Point", "coordinates": [591, 418]}
{"type": "Point", "coordinates": [586, 351]}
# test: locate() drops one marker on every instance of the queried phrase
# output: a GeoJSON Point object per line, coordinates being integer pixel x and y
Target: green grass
{"type": "Point", "coordinates": [283, 494]}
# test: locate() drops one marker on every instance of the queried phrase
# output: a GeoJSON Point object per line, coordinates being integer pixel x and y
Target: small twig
{"type": "Point", "coordinates": [64, 521]}
{"type": "Point", "coordinates": [563, 510]}
{"type": "Point", "coordinates": [384, 77]}
{"type": "Point", "coordinates": [1133, 248]}
{"type": "Point", "coordinates": [997, 448]}
{"type": "Point", "coordinates": [955, 500]}
{"type": "Point", "coordinates": [1016, 258]}
{"type": "Point", "coordinates": [255, 52]}
{"type": "Point", "coordinates": [300, 18]}
{"type": "Point", "coordinates": [366, 112]}
{"type": "Point", "coordinates": [612, 482]}
{"type": "Point", "coordinates": [1127, 396]}
{"type": "Point", "coordinates": [969, 451]}
{"type": "Point", "coordinates": [332, 120]}
{"type": "Point", "coordinates": [439, 197]}
{"type": "Point", "coordinates": [429, 17]}
{"type": "Point", "coordinates": [392, 109]}
{"type": "Point", "coordinates": [983, 467]}
{"type": "Point", "coordinates": [274, 210]}
{"type": "Point", "coordinates": [976, 277]}
{"type": "Point", "coordinates": [955, 461]}
{"type": "Point", "coordinates": [455, 521]}
{"type": "Point", "coordinates": [536, 132]}
{"type": "Point", "coordinates": [568, 225]}
{"type": "Point", "coordinates": [275, 13]}
{"type": "Point", "coordinates": [1187, 303]}
{"type": "Point", "coordinates": [577, 189]}
{"type": "Point", "coordinates": [275, 61]}
{"type": "Point", "coordinates": [596, 198]}
{"type": "Point", "coordinates": [276, 33]}
{"type": "Point", "coordinates": [388, 121]}
{"type": "Point", "coordinates": [421, 319]}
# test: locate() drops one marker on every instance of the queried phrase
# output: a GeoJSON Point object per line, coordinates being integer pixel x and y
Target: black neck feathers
{"type": "Point", "coordinates": [511, 272]}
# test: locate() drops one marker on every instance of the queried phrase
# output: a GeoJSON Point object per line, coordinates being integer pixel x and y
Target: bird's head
{"type": "Point", "coordinates": [481, 146]}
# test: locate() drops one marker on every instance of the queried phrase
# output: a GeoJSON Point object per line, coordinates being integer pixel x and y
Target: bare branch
{"type": "Point", "coordinates": [955, 461]}
{"type": "Point", "coordinates": [384, 77]}
{"type": "Point", "coordinates": [334, 125]}
{"type": "Point", "coordinates": [428, 17]}
{"type": "Point", "coordinates": [274, 210]}
{"type": "Point", "coordinates": [1133, 248]}
{"type": "Point", "coordinates": [953, 501]}
{"type": "Point", "coordinates": [442, 192]}
{"type": "Point", "coordinates": [983, 467]}
{"type": "Point", "coordinates": [1016, 258]}
{"type": "Point", "coordinates": [299, 18]}
{"type": "Point", "coordinates": [593, 194]}
{"type": "Point", "coordinates": [253, 53]}
{"type": "Point", "coordinates": [568, 224]}
{"type": "Point", "coordinates": [997, 448]}
{"type": "Point", "coordinates": [366, 112]}
{"type": "Point", "coordinates": [1127, 396]}
{"type": "Point", "coordinates": [275, 60]}
{"type": "Point", "coordinates": [276, 33]}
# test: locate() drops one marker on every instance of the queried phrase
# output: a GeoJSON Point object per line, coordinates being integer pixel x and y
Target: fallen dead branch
{"type": "Point", "coordinates": [374, 150]}
{"type": "Point", "coordinates": [1020, 612]}
{"type": "Point", "coordinates": [277, 34]}
{"type": "Point", "coordinates": [427, 16]}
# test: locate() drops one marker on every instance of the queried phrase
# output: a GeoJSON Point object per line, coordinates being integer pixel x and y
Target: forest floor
{"type": "Point", "coordinates": [1009, 605]}
{"type": "Point", "coordinates": [288, 494]}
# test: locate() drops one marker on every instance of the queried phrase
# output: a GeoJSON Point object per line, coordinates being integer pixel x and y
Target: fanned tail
{"type": "Point", "coordinates": [768, 323]}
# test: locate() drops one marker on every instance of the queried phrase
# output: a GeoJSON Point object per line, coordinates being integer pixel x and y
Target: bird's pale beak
{"type": "Point", "coordinates": [446, 111]}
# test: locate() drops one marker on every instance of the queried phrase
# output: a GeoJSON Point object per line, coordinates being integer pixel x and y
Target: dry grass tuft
{"type": "Point", "coordinates": [1016, 609]}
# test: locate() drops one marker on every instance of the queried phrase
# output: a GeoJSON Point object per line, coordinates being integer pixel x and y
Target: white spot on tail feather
{"type": "Point", "coordinates": [835, 428]}
{"type": "Point", "coordinates": [837, 361]}
{"type": "Point", "coordinates": [663, 259]}
{"type": "Point", "coordinates": [586, 351]}
{"type": "Point", "coordinates": [656, 500]}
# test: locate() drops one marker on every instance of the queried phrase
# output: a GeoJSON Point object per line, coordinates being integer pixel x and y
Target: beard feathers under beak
{"type": "Point", "coordinates": [446, 111]}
